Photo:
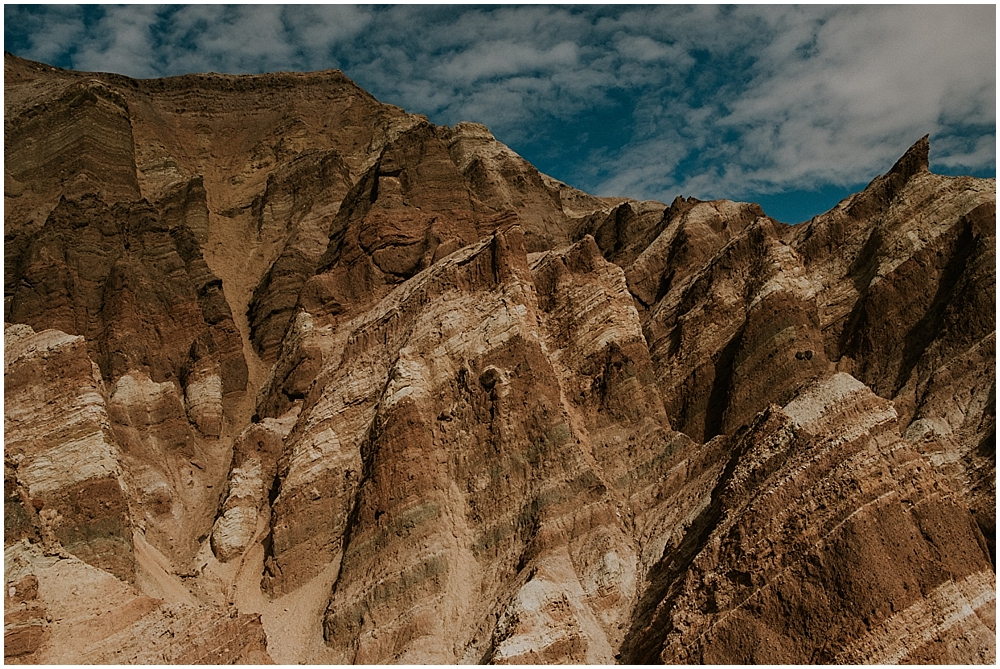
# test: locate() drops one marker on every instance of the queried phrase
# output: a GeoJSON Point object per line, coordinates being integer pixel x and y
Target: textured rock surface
{"type": "Point", "coordinates": [59, 446]}
{"type": "Point", "coordinates": [76, 614]}
{"type": "Point", "coordinates": [293, 375]}
{"type": "Point", "coordinates": [770, 571]}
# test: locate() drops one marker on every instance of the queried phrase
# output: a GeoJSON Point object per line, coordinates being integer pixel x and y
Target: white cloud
{"type": "Point", "coordinates": [644, 49]}
{"type": "Point", "coordinates": [501, 58]}
{"type": "Point", "coordinates": [48, 34]}
{"type": "Point", "coordinates": [316, 29]}
{"type": "Point", "coordinates": [836, 96]}
{"type": "Point", "coordinates": [121, 40]}
{"type": "Point", "coordinates": [248, 38]}
{"type": "Point", "coordinates": [964, 153]}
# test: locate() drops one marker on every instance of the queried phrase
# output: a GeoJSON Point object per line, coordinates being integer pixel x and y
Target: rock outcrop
{"type": "Point", "coordinates": [769, 572]}
{"type": "Point", "coordinates": [65, 475]}
{"type": "Point", "coordinates": [295, 376]}
{"type": "Point", "coordinates": [60, 610]}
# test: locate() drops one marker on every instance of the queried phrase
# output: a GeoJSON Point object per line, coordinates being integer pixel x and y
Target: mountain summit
{"type": "Point", "coordinates": [295, 376]}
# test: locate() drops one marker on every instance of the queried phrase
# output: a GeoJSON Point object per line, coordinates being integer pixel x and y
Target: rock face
{"type": "Point", "coordinates": [769, 571]}
{"type": "Point", "coordinates": [59, 446]}
{"type": "Point", "coordinates": [295, 376]}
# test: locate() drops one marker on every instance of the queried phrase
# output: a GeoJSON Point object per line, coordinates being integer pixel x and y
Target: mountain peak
{"type": "Point", "coordinates": [916, 159]}
{"type": "Point", "coordinates": [884, 188]}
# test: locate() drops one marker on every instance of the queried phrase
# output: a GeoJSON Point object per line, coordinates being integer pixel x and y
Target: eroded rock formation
{"type": "Point", "coordinates": [294, 376]}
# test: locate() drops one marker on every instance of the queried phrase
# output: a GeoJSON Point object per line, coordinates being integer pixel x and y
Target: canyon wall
{"type": "Point", "coordinates": [295, 376]}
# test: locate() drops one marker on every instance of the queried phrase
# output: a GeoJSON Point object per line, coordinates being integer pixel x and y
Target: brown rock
{"type": "Point", "coordinates": [57, 431]}
{"type": "Point", "coordinates": [323, 382]}
{"type": "Point", "coordinates": [778, 568]}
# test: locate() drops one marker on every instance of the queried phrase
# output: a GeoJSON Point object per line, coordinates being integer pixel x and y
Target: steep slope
{"type": "Point", "coordinates": [293, 375]}
{"type": "Point", "coordinates": [818, 546]}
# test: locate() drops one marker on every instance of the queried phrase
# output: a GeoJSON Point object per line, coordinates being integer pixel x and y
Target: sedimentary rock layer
{"type": "Point", "coordinates": [294, 375]}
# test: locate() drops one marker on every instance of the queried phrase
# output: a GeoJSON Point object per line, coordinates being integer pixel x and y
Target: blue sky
{"type": "Point", "coordinates": [792, 107]}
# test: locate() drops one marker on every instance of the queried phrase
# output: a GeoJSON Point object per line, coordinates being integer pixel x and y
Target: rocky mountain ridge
{"type": "Point", "coordinates": [295, 376]}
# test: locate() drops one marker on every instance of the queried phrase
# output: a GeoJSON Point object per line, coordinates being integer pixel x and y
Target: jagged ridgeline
{"type": "Point", "coordinates": [292, 375]}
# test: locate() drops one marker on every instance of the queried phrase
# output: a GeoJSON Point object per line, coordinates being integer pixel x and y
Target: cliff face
{"type": "Point", "coordinates": [293, 375]}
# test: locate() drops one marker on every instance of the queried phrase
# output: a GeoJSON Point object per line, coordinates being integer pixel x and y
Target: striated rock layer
{"type": "Point", "coordinates": [295, 376]}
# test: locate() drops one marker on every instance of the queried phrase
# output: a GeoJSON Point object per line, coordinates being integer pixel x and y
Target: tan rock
{"type": "Point", "coordinates": [59, 440]}
{"type": "Point", "coordinates": [306, 370]}
{"type": "Point", "coordinates": [83, 615]}
{"type": "Point", "coordinates": [203, 403]}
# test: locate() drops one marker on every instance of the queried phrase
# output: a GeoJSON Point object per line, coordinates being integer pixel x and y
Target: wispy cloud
{"type": "Point", "coordinates": [827, 96]}
{"type": "Point", "coordinates": [646, 101]}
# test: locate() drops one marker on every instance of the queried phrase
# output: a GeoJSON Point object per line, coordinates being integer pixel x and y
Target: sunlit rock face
{"type": "Point", "coordinates": [295, 376]}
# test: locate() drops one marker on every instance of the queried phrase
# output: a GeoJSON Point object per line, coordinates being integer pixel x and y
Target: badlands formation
{"type": "Point", "coordinates": [295, 376]}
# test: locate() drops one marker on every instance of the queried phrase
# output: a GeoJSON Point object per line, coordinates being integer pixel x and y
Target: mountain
{"type": "Point", "coordinates": [295, 376]}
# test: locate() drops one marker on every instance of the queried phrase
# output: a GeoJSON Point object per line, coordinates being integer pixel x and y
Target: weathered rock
{"type": "Point", "coordinates": [139, 291]}
{"type": "Point", "coordinates": [690, 233]}
{"type": "Point", "coordinates": [63, 611]}
{"type": "Point", "coordinates": [307, 213]}
{"type": "Point", "coordinates": [78, 141]}
{"type": "Point", "coordinates": [58, 438]}
{"type": "Point", "coordinates": [469, 523]}
{"type": "Point", "coordinates": [25, 624]}
{"type": "Point", "coordinates": [302, 368]}
{"type": "Point", "coordinates": [251, 479]}
{"type": "Point", "coordinates": [501, 180]}
{"type": "Point", "coordinates": [816, 548]}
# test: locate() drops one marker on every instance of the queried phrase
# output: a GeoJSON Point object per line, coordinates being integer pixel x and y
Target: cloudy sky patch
{"type": "Point", "coordinates": [794, 107]}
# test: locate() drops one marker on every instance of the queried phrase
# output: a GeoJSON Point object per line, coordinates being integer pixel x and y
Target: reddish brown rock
{"type": "Point", "coordinates": [293, 374]}
{"type": "Point", "coordinates": [816, 548]}
{"type": "Point", "coordinates": [64, 476]}
{"type": "Point", "coordinates": [500, 180]}
{"type": "Point", "coordinates": [309, 213]}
